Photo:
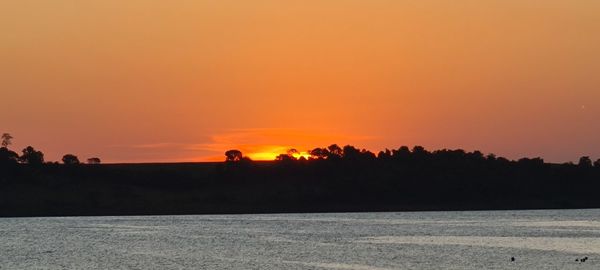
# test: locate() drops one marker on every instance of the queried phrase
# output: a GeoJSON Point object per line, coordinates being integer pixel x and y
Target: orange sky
{"type": "Point", "coordinates": [185, 80]}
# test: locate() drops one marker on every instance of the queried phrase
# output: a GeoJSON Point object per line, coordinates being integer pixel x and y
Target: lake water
{"type": "Point", "coordinates": [546, 239]}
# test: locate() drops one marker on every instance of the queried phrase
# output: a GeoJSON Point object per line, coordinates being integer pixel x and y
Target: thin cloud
{"type": "Point", "coordinates": [158, 145]}
{"type": "Point", "coordinates": [265, 142]}
{"type": "Point", "coordinates": [259, 143]}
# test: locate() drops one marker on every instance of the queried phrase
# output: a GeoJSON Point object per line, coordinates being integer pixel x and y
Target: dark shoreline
{"type": "Point", "coordinates": [295, 212]}
{"type": "Point", "coordinates": [317, 186]}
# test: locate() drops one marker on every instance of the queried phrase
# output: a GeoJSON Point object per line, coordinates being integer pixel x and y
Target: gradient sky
{"type": "Point", "coordinates": [185, 80]}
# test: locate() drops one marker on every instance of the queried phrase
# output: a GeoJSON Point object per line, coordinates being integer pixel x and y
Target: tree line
{"type": "Point", "coordinates": [31, 156]}
{"type": "Point", "coordinates": [329, 179]}
{"type": "Point", "coordinates": [351, 153]}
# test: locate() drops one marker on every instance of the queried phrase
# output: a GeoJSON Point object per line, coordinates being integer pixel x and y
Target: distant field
{"type": "Point", "coordinates": [297, 186]}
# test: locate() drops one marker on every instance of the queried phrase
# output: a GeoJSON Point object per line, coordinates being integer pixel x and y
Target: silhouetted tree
{"type": "Point", "coordinates": [476, 155]}
{"type": "Point", "coordinates": [335, 151]}
{"type": "Point", "coordinates": [7, 156]}
{"type": "Point", "coordinates": [31, 156]}
{"type": "Point", "coordinates": [585, 162]}
{"type": "Point", "coordinates": [597, 163]}
{"type": "Point", "coordinates": [70, 159]}
{"type": "Point", "coordinates": [502, 160]}
{"type": "Point", "coordinates": [419, 151]}
{"type": "Point", "coordinates": [94, 160]}
{"type": "Point", "coordinates": [402, 153]}
{"type": "Point", "coordinates": [366, 154]}
{"type": "Point", "coordinates": [285, 157]}
{"type": "Point", "coordinates": [288, 156]}
{"type": "Point", "coordinates": [6, 140]}
{"type": "Point", "coordinates": [350, 152]}
{"type": "Point", "coordinates": [233, 155]}
{"type": "Point", "coordinates": [531, 162]}
{"type": "Point", "coordinates": [387, 154]}
{"type": "Point", "coordinates": [319, 153]}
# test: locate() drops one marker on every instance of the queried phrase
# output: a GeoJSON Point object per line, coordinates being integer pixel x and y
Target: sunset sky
{"type": "Point", "coordinates": [185, 80]}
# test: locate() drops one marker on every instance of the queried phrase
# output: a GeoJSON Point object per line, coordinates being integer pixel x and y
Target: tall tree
{"type": "Point", "coordinates": [6, 140]}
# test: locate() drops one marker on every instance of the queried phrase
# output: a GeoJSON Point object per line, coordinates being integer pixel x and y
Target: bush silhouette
{"type": "Point", "coordinates": [285, 157]}
{"type": "Point", "coordinates": [94, 160]}
{"type": "Point", "coordinates": [585, 162]}
{"type": "Point", "coordinates": [335, 151]}
{"type": "Point", "coordinates": [233, 155]}
{"type": "Point", "coordinates": [7, 156]}
{"type": "Point", "coordinates": [70, 159]}
{"type": "Point", "coordinates": [319, 153]}
{"type": "Point", "coordinates": [31, 156]}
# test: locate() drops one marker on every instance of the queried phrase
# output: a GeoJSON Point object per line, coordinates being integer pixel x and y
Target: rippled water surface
{"type": "Point", "coordinates": [548, 239]}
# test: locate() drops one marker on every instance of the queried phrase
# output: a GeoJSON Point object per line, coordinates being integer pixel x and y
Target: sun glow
{"type": "Point", "coordinates": [271, 153]}
{"type": "Point", "coordinates": [301, 155]}
{"type": "Point", "coordinates": [263, 156]}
